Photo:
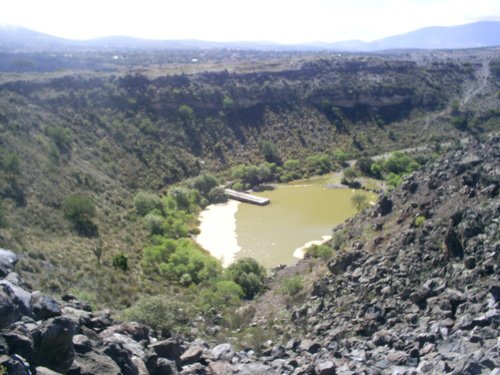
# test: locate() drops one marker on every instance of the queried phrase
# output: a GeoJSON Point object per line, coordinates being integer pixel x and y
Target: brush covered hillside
{"type": "Point", "coordinates": [410, 287]}
{"type": "Point", "coordinates": [77, 147]}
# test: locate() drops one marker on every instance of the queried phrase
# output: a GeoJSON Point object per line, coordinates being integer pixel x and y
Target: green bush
{"type": "Point", "coordinates": [292, 286]}
{"type": "Point", "coordinates": [394, 180]}
{"type": "Point", "coordinates": [419, 221]}
{"type": "Point", "coordinates": [204, 183]}
{"type": "Point", "coordinates": [339, 238]}
{"type": "Point", "coordinates": [80, 211]}
{"type": "Point", "coordinates": [249, 275]}
{"type": "Point", "coordinates": [320, 251]}
{"type": "Point", "coordinates": [216, 195]}
{"type": "Point", "coordinates": [341, 157]}
{"type": "Point", "coordinates": [11, 164]}
{"type": "Point", "coordinates": [222, 294]}
{"type": "Point", "coordinates": [318, 164]}
{"type": "Point", "coordinates": [179, 261]}
{"type": "Point", "coordinates": [145, 202]}
{"type": "Point", "coordinates": [120, 261]}
{"type": "Point", "coordinates": [364, 165]}
{"type": "Point", "coordinates": [154, 223]}
{"type": "Point", "coordinates": [60, 136]}
{"type": "Point", "coordinates": [167, 316]}
{"type": "Point", "coordinates": [270, 152]}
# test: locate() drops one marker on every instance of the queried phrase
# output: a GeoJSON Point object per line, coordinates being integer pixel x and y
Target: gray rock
{"type": "Point", "coordinates": [122, 357]}
{"type": "Point", "coordinates": [82, 344]}
{"type": "Point", "coordinates": [14, 365]}
{"type": "Point", "coordinates": [138, 332]}
{"type": "Point", "coordinates": [325, 368]}
{"type": "Point", "coordinates": [22, 298]}
{"type": "Point", "coordinates": [45, 307]}
{"type": "Point", "coordinates": [9, 312]}
{"type": "Point", "coordinates": [309, 346]}
{"type": "Point", "coordinates": [170, 349]}
{"type": "Point", "coordinates": [192, 355]}
{"type": "Point", "coordinates": [45, 371]}
{"type": "Point", "coordinates": [93, 363]}
{"type": "Point", "coordinates": [55, 348]}
{"type": "Point", "coordinates": [220, 368]}
{"type": "Point", "coordinates": [222, 352]}
{"type": "Point", "coordinates": [255, 369]}
{"type": "Point", "coordinates": [8, 260]}
{"type": "Point", "coordinates": [339, 265]}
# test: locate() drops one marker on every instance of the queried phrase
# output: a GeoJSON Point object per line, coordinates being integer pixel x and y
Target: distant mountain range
{"type": "Point", "coordinates": [473, 35]}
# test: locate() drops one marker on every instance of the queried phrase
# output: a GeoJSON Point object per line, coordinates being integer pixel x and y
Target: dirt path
{"type": "Point", "coordinates": [473, 90]}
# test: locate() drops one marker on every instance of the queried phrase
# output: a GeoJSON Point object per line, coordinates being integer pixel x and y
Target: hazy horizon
{"type": "Point", "coordinates": [279, 21]}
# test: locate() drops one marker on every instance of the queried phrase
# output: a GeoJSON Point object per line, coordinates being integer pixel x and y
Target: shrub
{"type": "Point", "coordinates": [145, 202]}
{"type": "Point", "coordinates": [120, 261]}
{"type": "Point", "coordinates": [350, 173]}
{"type": "Point", "coordinates": [216, 195]}
{"type": "Point", "coordinates": [318, 164]}
{"type": "Point", "coordinates": [154, 223]}
{"type": "Point", "coordinates": [249, 275]}
{"type": "Point", "coordinates": [270, 152]}
{"type": "Point", "coordinates": [186, 112]}
{"type": "Point", "coordinates": [419, 221]}
{"type": "Point", "coordinates": [167, 316]}
{"type": "Point", "coordinates": [11, 164]}
{"type": "Point", "coordinates": [394, 180]}
{"type": "Point", "coordinates": [341, 157]}
{"type": "Point", "coordinates": [3, 220]}
{"type": "Point", "coordinates": [338, 240]}
{"type": "Point", "coordinates": [222, 294]}
{"type": "Point", "coordinates": [80, 210]}
{"type": "Point", "coordinates": [60, 136]}
{"type": "Point", "coordinates": [180, 261]}
{"type": "Point", "coordinates": [204, 183]}
{"type": "Point", "coordinates": [364, 165]}
{"type": "Point", "coordinates": [320, 251]}
{"type": "Point", "coordinates": [292, 285]}
{"type": "Point", "coordinates": [359, 201]}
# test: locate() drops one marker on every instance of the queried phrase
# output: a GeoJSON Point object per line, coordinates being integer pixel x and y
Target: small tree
{"type": "Point", "coordinates": [145, 202]}
{"type": "Point", "coordinates": [120, 261]}
{"type": "Point", "coordinates": [359, 201]}
{"type": "Point", "coordinates": [80, 211]}
{"type": "Point", "coordinates": [3, 221]}
{"type": "Point", "coordinates": [249, 275]}
{"type": "Point", "coordinates": [98, 250]}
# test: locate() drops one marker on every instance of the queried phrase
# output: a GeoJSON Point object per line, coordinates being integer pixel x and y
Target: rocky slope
{"type": "Point", "coordinates": [403, 296]}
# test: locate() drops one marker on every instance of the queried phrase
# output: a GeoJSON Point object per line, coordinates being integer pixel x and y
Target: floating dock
{"type": "Point", "coordinates": [247, 198]}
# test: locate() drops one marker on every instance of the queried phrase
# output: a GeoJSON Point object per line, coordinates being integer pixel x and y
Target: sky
{"type": "Point", "coordinates": [282, 21]}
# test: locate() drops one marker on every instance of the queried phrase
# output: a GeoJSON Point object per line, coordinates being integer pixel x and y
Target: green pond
{"type": "Point", "coordinates": [300, 212]}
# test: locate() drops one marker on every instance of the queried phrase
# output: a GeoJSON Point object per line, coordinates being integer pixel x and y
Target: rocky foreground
{"type": "Point", "coordinates": [415, 291]}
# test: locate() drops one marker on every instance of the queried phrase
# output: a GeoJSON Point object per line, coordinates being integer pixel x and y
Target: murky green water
{"type": "Point", "coordinates": [299, 212]}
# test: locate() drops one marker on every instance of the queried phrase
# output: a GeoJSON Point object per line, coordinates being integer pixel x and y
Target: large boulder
{"type": "Point", "coordinates": [93, 363]}
{"type": "Point", "coordinates": [9, 313]}
{"type": "Point", "coordinates": [54, 347]}
{"type": "Point", "coordinates": [44, 307]}
{"type": "Point", "coordinates": [22, 298]}
{"type": "Point", "coordinates": [8, 260]}
{"type": "Point", "coordinates": [339, 265]}
{"type": "Point", "coordinates": [122, 357]}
